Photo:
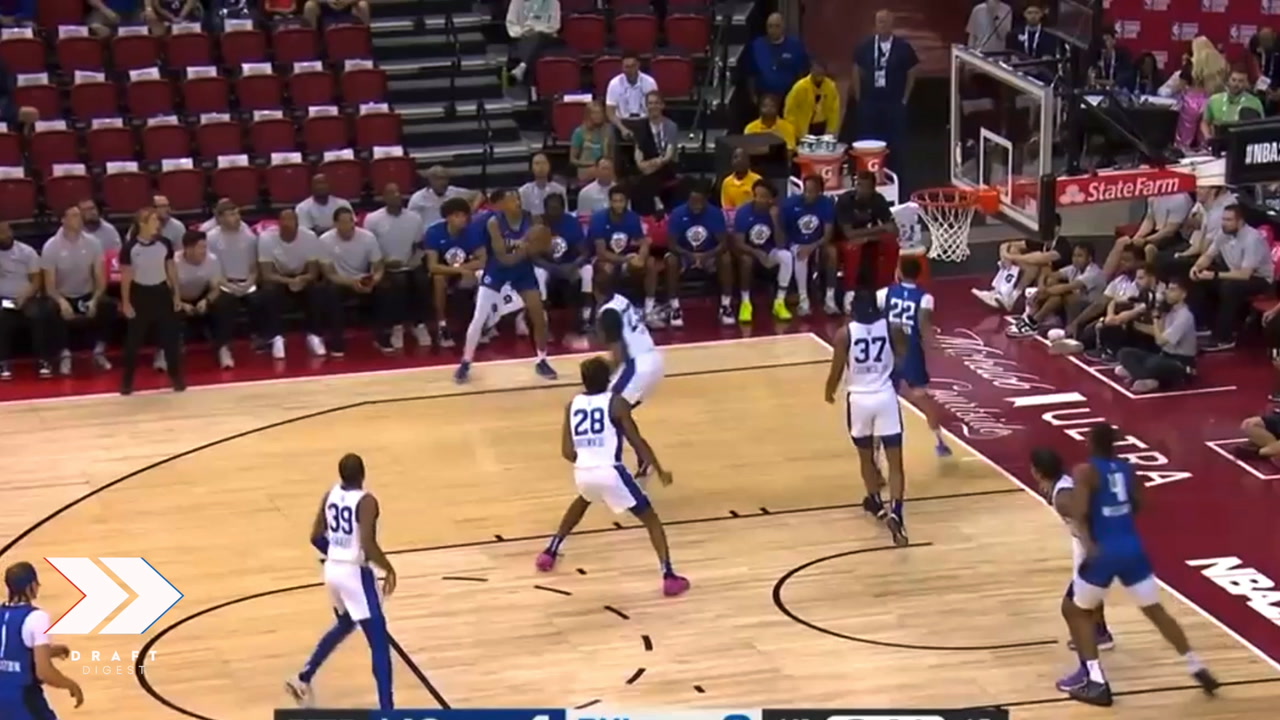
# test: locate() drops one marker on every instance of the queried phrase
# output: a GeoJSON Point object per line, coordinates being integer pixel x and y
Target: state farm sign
{"type": "Point", "coordinates": [1134, 185]}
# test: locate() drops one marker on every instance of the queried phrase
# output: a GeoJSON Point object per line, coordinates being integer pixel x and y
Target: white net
{"type": "Point", "coordinates": [947, 214]}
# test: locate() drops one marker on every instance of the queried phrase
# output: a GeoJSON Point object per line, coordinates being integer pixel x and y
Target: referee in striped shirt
{"type": "Point", "coordinates": [149, 297]}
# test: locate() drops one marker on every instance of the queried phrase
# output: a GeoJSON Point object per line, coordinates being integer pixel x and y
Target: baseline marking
{"type": "Point", "coordinates": [1216, 446]}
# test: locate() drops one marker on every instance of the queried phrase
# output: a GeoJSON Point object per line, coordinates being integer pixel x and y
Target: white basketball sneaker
{"type": "Point", "coordinates": [300, 692]}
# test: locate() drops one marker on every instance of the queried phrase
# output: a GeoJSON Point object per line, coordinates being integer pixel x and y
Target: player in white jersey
{"type": "Point", "coordinates": [345, 531]}
{"type": "Point", "coordinates": [637, 364]}
{"type": "Point", "coordinates": [865, 353]}
{"type": "Point", "coordinates": [1057, 485]}
{"type": "Point", "coordinates": [595, 423]}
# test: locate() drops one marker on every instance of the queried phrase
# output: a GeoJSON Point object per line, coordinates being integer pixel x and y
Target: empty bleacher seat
{"type": "Point", "coordinates": [689, 32]}
{"type": "Point", "coordinates": [187, 46]}
{"type": "Point", "coordinates": [51, 14]}
{"type": "Point", "coordinates": [391, 165]}
{"type": "Point", "coordinates": [242, 43]}
{"type": "Point", "coordinates": [377, 125]}
{"type": "Point", "coordinates": [325, 129]}
{"type": "Point", "coordinates": [348, 41]}
{"type": "Point", "coordinates": [17, 194]}
{"type": "Point", "coordinates": [110, 140]}
{"type": "Point", "coordinates": [204, 91]}
{"type": "Point", "coordinates": [149, 94]}
{"type": "Point", "coordinates": [604, 69]}
{"type": "Point", "coordinates": [10, 147]}
{"type": "Point", "coordinates": [310, 84]}
{"type": "Point", "coordinates": [218, 134]}
{"type": "Point", "coordinates": [53, 143]}
{"type": "Point", "coordinates": [363, 83]}
{"type": "Point", "coordinates": [585, 33]}
{"type": "Point", "coordinates": [126, 189]}
{"type": "Point", "coordinates": [636, 32]}
{"type": "Point", "coordinates": [165, 137]}
{"type": "Point", "coordinates": [93, 97]}
{"type": "Point", "coordinates": [288, 179]}
{"type": "Point", "coordinates": [80, 52]}
{"type": "Point", "coordinates": [344, 172]}
{"type": "Point", "coordinates": [271, 132]}
{"type": "Point", "coordinates": [21, 51]}
{"type": "Point", "coordinates": [674, 75]}
{"type": "Point", "coordinates": [259, 88]}
{"type": "Point", "coordinates": [567, 114]}
{"type": "Point", "coordinates": [293, 44]}
{"type": "Point", "coordinates": [37, 91]}
{"type": "Point", "coordinates": [236, 179]}
{"type": "Point", "coordinates": [182, 183]}
{"type": "Point", "coordinates": [134, 49]}
{"type": "Point", "coordinates": [67, 185]}
{"type": "Point", "coordinates": [557, 75]}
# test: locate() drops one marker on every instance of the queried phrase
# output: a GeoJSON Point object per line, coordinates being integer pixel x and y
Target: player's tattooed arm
{"type": "Point", "coordinates": [839, 357]}
{"type": "Point", "coordinates": [621, 411]}
{"type": "Point", "coordinates": [567, 449]}
{"type": "Point", "coordinates": [367, 515]}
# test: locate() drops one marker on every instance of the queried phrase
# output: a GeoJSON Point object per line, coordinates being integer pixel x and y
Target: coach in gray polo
{"type": "Point", "coordinates": [399, 231]}
{"type": "Point", "coordinates": [354, 266]}
{"type": "Point", "coordinates": [75, 281]}
{"type": "Point", "coordinates": [235, 245]}
{"type": "Point", "coordinates": [289, 259]}
{"type": "Point", "coordinates": [1236, 267]}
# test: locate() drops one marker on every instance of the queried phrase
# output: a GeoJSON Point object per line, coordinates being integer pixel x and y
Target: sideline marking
{"type": "Point", "coordinates": [1216, 446]}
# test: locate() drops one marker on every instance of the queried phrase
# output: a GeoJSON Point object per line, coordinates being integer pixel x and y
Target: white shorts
{"type": "Point", "coordinates": [612, 485]}
{"type": "Point", "coordinates": [874, 415]}
{"type": "Point", "coordinates": [353, 589]}
{"type": "Point", "coordinates": [1088, 596]}
{"type": "Point", "coordinates": [638, 376]}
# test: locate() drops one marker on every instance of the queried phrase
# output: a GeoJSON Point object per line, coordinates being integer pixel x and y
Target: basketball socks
{"type": "Point", "coordinates": [745, 296]}
{"type": "Point", "coordinates": [673, 302]}
{"type": "Point", "coordinates": [668, 570]}
{"type": "Point", "coordinates": [831, 296]}
{"type": "Point", "coordinates": [1193, 662]}
{"type": "Point", "coordinates": [1094, 668]}
{"type": "Point", "coordinates": [896, 509]}
{"type": "Point", "coordinates": [727, 300]}
{"type": "Point", "coordinates": [802, 278]}
{"type": "Point", "coordinates": [553, 547]}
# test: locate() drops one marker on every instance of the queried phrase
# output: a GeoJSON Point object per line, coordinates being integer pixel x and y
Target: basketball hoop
{"type": "Point", "coordinates": [948, 213]}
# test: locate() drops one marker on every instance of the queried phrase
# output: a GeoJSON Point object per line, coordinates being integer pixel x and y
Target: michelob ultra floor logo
{"type": "Point", "coordinates": [102, 596]}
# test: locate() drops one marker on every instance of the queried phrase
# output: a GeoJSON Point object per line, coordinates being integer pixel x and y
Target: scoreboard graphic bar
{"type": "Point", "coordinates": [646, 714]}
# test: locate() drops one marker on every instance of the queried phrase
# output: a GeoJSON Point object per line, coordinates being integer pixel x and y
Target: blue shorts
{"type": "Point", "coordinates": [1130, 568]}
{"type": "Point", "coordinates": [26, 704]}
{"type": "Point", "coordinates": [521, 278]}
{"type": "Point", "coordinates": [914, 374]}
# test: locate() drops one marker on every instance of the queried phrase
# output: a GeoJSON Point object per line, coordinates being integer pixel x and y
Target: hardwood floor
{"type": "Point", "coordinates": [798, 599]}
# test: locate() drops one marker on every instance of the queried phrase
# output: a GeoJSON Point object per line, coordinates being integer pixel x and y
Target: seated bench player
{"type": "Point", "coordinates": [569, 263]}
{"type": "Point", "coordinates": [622, 246]}
{"type": "Point", "coordinates": [1066, 291]}
{"type": "Point", "coordinates": [760, 242]}
{"type": "Point", "coordinates": [699, 242]}
{"type": "Point", "coordinates": [1081, 330]}
{"type": "Point", "coordinates": [455, 253]}
{"type": "Point", "coordinates": [808, 225]}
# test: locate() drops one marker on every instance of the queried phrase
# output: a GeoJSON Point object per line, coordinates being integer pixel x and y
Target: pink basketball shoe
{"type": "Point", "coordinates": [673, 585]}
{"type": "Point", "coordinates": [546, 561]}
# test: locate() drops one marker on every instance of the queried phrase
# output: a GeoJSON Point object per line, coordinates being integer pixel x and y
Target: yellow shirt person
{"type": "Point", "coordinates": [736, 191]}
{"type": "Point", "coordinates": [813, 105]}
{"type": "Point", "coordinates": [769, 122]}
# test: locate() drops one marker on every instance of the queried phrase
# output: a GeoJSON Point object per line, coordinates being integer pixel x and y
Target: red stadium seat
{"type": "Point", "coordinates": [80, 53]}
{"type": "Point", "coordinates": [585, 33]}
{"type": "Point", "coordinates": [690, 33]}
{"type": "Point", "coordinates": [44, 98]}
{"type": "Point", "coordinates": [10, 148]}
{"type": "Point", "coordinates": [206, 95]}
{"type": "Point", "coordinates": [603, 70]}
{"type": "Point", "coordinates": [65, 191]}
{"type": "Point", "coordinates": [149, 98]}
{"type": "Point", "coordinates": [54, 147]}
{"type": "Point", "coordinates": [295, 44]}
{"type": "Point", "coordinates": [311, 88]}
{"type": "Point", "coordinates": [24, 55]}
{"type": "Point", "coordinates": [240, 184]}
{"type": "Point", "coordinates": [273, 135]}
{"type": "Point", "coordinates": [135, 52]}
{"type": "Point", "coordinates": [126, 192]}
{"type": "Point", "coordinates": [674, 75]}
{"type": "Point", "coordinates": [17, 199]}
{"type": "Point", "coordinates": [636, 32]}
{"type": "Point", "coordinates": [346, 177]}
{"type": "Point", "coordinates": [366, 85]}
{"type": "Point", "coordinates": [288, 184]}
{"type": "Point", "coordinates": [219, 138]}
{"type": "Point", "coordinates": [321, 133]}
{"type": "Point", "coordinates": [347, 42]}
{"type": "Point", "coordinates": [95, 99]}
{"type": "Point", "coordinates": [110, 144]}
{"type": "Point", "coordinates": [161, 141]}
{"type": "Point", "coordinates": [185, 188]}
{"type": "Point", "coordinates": [565, 118]}
{"type": "Point", "coordinates": [402, 171]}
{"type": "Point", "coordinates": [557, 75]}
{"type": "Point", "coordinates": [184, 50]}
{"type": "Point", "coordinates": [243, 46]}
{"type": "Point", "coordinates": [260, 92]}
{"type": "Point", "coordinates": [50, 14]}
{"type": "Point", "coordinates": [378, 128]}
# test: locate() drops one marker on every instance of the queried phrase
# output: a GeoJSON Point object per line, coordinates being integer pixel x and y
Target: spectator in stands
{"type": "Point", "coordinates": [533, 25]}
{"type": "Point", "coordinates": [399, 234]}
{"type": "Point", "coordinates": [235, 244]}
{"type": "Point", "coordinates": [1174, 332]}
{"type": "Point", "coordinates": [812, 106]}
{"type": "Point", "coordinates": [568, 267]}
{"type": "Point", "coordinates": [534, 192]}
{"type": "Point", "coordinates": [106, 233]}
{"type": "Point", "coordinates": [625, 97]}
{"type": "Point", "coordinates": [778, 61]}
{"type": "Point", "coordinates": [770, 122]}
{"type": "Point", "coordinates": [149, 298]}
{"type": "Point", "coordinates": [455, 257]}
{"type": "Point", "coordinates": [354, 266]}
{"type": "Point", "coordinates": [1022, 265]}
{"type": "Point", "coordinates": [327, 12]}
{"type": "Point", "coordinates": [289, 260]}
{"type": "Point", "coordinates": [1264, 67]}
{"type": "Point", "coordinates": [107, 15]}
{"type": "Point", "coordinates": [1159, 231]}
{"type": "Point", "coordinates": [75, 282]}
{"type": "Point", "coordinates": [655, 156]}
{"type": "Point", "coordinates": [1069, 290]}
{"type": "Point", "coordinates": [591, 141]}
{"type": "Point", "coordinates": [1128, 321]}
{"type": "Point", "coordinates": [20, 302]}
{"type": "Point", "coordinates": [1226, 107]}
{"type": "Point", "coordinates": [884, 73]}
{"type": "Point", "coordinates": [1233, 269]}
{"type": "Point", "coordinates": [807, 224]}
{"type": "Point", "coordinates": [428, 201]}
{"type": "Point", "coordinates": [989, 25]}
{"type": "Point", "coordinates": [1147, 78]}
{"type": "Point", "coordinates": [736, 189]}
{"type": "Point", "coordinates": [1081, 331]}
{"type": "Point", "coordinates": [170, 227]}
{"type": "Point", "coordinates": [1030, 37]}
{"type": "Point", "coordinates": [1193, 87]}
{"type": "Point", "coordinates": [760, 241]}
{"type": "Point", "coordinates": [317, 212]}
{"type": "Point", "coordinates": [594, 196]}
{"type": "Point", "coordinates": [1203, 226]}
{"type": "Point", "coordinates": [160, 14]}
{"type": "Point", "coordinates": [1114, 65]}
{"type": "Point", "coordinates": [17, 13]}
{"type": "Point", "coordinates": [224, 10]}
{"type": "Point", "coordinates": [200, 295]}
{"type": "Point", "coordinates": [700, 242]}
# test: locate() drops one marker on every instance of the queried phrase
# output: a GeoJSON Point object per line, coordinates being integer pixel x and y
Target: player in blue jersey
{"type": "Point", "coordinates": [26, 651]}
{"type": "Point", "coordinates": [621, 246]}
{"type": "Point", "coordinates": [1106, 498]}
{"type": "Point", "coordinates": [808, 222]}
{"type": "Point", "coordinates": [906, 305]}
{"type": "Point", "coordinates": [760, 241]}
{"type": "Point", "coordinates": [568, 265]}
{"type": "Point", "coordinates": [700, 242]}
{"type": "Point", "coordinates": [454, 254]}
{"type": "Point", "coordinates": [509, 262]}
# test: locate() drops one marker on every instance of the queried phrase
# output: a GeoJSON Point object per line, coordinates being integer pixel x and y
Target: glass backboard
{"type": "Point", "coordinates": [1002, 129]}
